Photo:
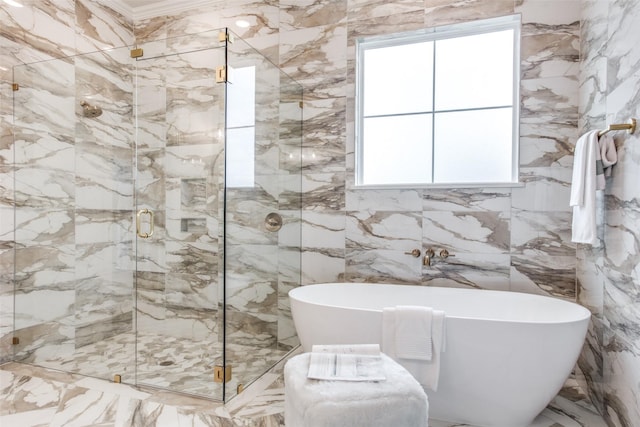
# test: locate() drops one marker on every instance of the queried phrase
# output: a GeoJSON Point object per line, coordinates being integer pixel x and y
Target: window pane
{"type": "Point", "coordinates": [473, 146]}
{"type": "Point", "coordinates": [398, 150]}
{"type": "Point", "coordinates": [398, 79]}
{"type": "Point", "coordinates": [241, 97]}
{"type": "Point", "coordinates": [240, 159]}
{"type": "Point", "coordinates": [474, 71]}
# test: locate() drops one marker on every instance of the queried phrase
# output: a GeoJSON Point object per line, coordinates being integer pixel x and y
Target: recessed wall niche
{"type": "Point", "coordinates": [193, 193]}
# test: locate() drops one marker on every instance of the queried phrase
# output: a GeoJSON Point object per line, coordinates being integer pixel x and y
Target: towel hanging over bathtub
{"type": "Point", "coordinates": [583, 189]}
{"type": "Point", "coordinates": [423, 364]}
{"type": "Point", "coordinates": [413, 332]}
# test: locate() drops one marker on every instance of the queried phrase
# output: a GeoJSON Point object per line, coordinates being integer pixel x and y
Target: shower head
{"type": "Point", "coordinates": [89, 110]}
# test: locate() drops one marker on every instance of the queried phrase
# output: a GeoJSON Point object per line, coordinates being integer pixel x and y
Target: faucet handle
{"type": "Point", "coordinates": [415, 253]}
{"type": "Point", "coordinates": [430, 253]}
{"type": "Point", "coordinates": [444, 254]}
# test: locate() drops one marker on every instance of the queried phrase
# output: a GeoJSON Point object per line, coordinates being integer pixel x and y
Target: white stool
{"type": "Point", "coordinates": [399, 401]}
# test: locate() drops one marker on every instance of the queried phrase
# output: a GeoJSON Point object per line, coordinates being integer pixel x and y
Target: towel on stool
{"type": "Point", "coordinates": [398, 401]}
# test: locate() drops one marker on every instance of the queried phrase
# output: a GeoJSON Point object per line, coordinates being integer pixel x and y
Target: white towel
{"type": "Point", "coordinates": [583, 189]}
{"type": "Point", "coordinates": [399, 401]}
{"type": "Point", "coordinates": [608, 153]}
{"type": "Point", "coordinates": [413, 332]}
{"type": "Point", "coordinates": [426, 372]}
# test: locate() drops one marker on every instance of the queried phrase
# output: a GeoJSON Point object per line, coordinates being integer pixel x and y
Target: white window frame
{"type": "Point", "coordinates": [512, 22]}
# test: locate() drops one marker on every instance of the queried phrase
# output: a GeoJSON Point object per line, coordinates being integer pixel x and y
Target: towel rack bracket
{"type": "Point", "coordinates": [629, 127]}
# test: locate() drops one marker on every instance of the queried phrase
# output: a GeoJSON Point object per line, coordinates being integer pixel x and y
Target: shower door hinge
{"type": "Point", "coordinates": [137, 53]}
{"type": "Point", "coordinates": [221, 74]}
{"type": "Point", "coordinates": [223, 36]}
{"type": "Point", "coordinates": [301, 104]}
{"type": "Point", "coordinates": [15, 341]}
{"type": "Point", "coordinates": [15, 86]}
{"type": "Point", "coordinates": [221, 375]}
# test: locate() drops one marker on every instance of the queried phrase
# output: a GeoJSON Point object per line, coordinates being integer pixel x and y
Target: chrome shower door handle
{"type": "Point", "coordinates": [138, 228]}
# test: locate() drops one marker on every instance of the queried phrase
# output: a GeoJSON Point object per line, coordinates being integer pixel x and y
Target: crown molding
{"type": "Point", "coordinates": [159, 8]}
{"type": "Point", "coordinates": [119, 6]}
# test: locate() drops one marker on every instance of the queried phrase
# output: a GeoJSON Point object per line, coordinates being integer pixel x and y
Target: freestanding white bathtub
{"type": "Point", "coordinates": [507, 354]}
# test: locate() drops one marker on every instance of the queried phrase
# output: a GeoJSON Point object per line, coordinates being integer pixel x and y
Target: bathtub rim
{"type": "Point", "coordinates": [582, 313]}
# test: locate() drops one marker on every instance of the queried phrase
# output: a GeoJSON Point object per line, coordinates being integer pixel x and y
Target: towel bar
{"type": "Point", "coordinates": [630, 127]}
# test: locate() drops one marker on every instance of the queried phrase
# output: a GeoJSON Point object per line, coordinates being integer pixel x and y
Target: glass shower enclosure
{"type": "Point", "coordinates": [158, 213]}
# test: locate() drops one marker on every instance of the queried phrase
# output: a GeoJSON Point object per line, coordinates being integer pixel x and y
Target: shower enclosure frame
{"type": "Point", "coordinates": [75, 121]}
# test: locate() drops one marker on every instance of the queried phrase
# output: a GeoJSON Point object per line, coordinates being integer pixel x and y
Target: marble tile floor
{"type": "Point", "coordinates": [182, 365]}
{"type": "Point", "coordinates": [38, 397]}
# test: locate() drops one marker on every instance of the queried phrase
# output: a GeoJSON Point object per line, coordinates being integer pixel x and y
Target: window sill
{"type": "Point", "coordinates": [439, 186]}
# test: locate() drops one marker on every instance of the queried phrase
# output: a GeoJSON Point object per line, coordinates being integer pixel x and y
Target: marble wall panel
{"type": "Point", "coordinates": [323, 246]}
{"type": "Point", "coordinates": [98, 27]}
{"type": "Point", "coordinates": [7, 301]}
{"type": "Point", "coordinates": [289, 275]}
{"type": "Point", "coordinates": [376, 242]}
{"type": "Point", "coordinates": [544, 275]}
{"type": "Point", "coordinates": [46, 29]}
{"type": "Point", "coordinates": [315, 57]}
{"type": "Point", "coordinates": [541, 233]}
{"type": "Point", "coordinates": [593, 64]}
{"type": "Point", "coordinates": [150, 301]}
{"type": "Point", "coordinates": [251, 283]}
{"type": "Point", "coordinates": [609, 93]}
{"type": "Point", "coordinates": [290, 196]}
{"type": "Point", "coordinates": [151, 106]}
{"type": "Point", "coordinates": [544, 190]}
{"type": "Point", "coordinates": [323, 191]}
{"type": "Point", "coordinates": [295, 15]}
{"type": "Point", "coordinates": [384, 200]}
{"type": "Point", "coordinates": [443, 12]}
{"type": "Point", "coordinates": [468, 270]}
{"type": "Point", "coordinates": [323, 140]}
{"type": "Point", "coordinates": [475, 232]}
{"type": "Point", "coordinates": [467, 200]}
{"type": "Point", "coordinates": [547, 143]}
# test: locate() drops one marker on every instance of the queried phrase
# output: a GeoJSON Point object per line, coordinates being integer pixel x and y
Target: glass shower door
{"type": "Point", "coordinates": [179, 158]}
{"type": "Point", "coordinates": [74, 196]}
{"type": "Point", "coordinates": [262, 217]}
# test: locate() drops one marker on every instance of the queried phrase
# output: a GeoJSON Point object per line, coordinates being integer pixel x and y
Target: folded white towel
{"type": "Point", "coordinates": [398, 401]}
{"type": "Point", "coordinates": [583, 189]}
{"type": "Point", "coordinates": [426, 372]}
{"type": "Point", "coordinates": [608, 153]}
{"type": "Point", "coordinates": [413, 332]}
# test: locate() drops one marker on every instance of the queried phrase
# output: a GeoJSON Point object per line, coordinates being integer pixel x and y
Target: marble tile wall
{"type": "Point", "coordinates": [261, 265]}
{"type": "Point", "coordinates": [178, 169]}
{"type": "Point", "coordinates": [513, 239]}
{"type": "Point", "coordinates": [608, 275]}
{"type": "Point", "coordinates": [72, 251]}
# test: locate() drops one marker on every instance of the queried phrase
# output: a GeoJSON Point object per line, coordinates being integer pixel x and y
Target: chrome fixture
{"type": "Point", "coordinates": [444, 254]}
{"type": "Point", "coordinates": [89, 110]}
{"type": "Point", "coordinates": [428, 256]}
{"type": "Point", "coordinates": [414, 253]}
{"type": "Point", "coordinates": [273, 222]}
